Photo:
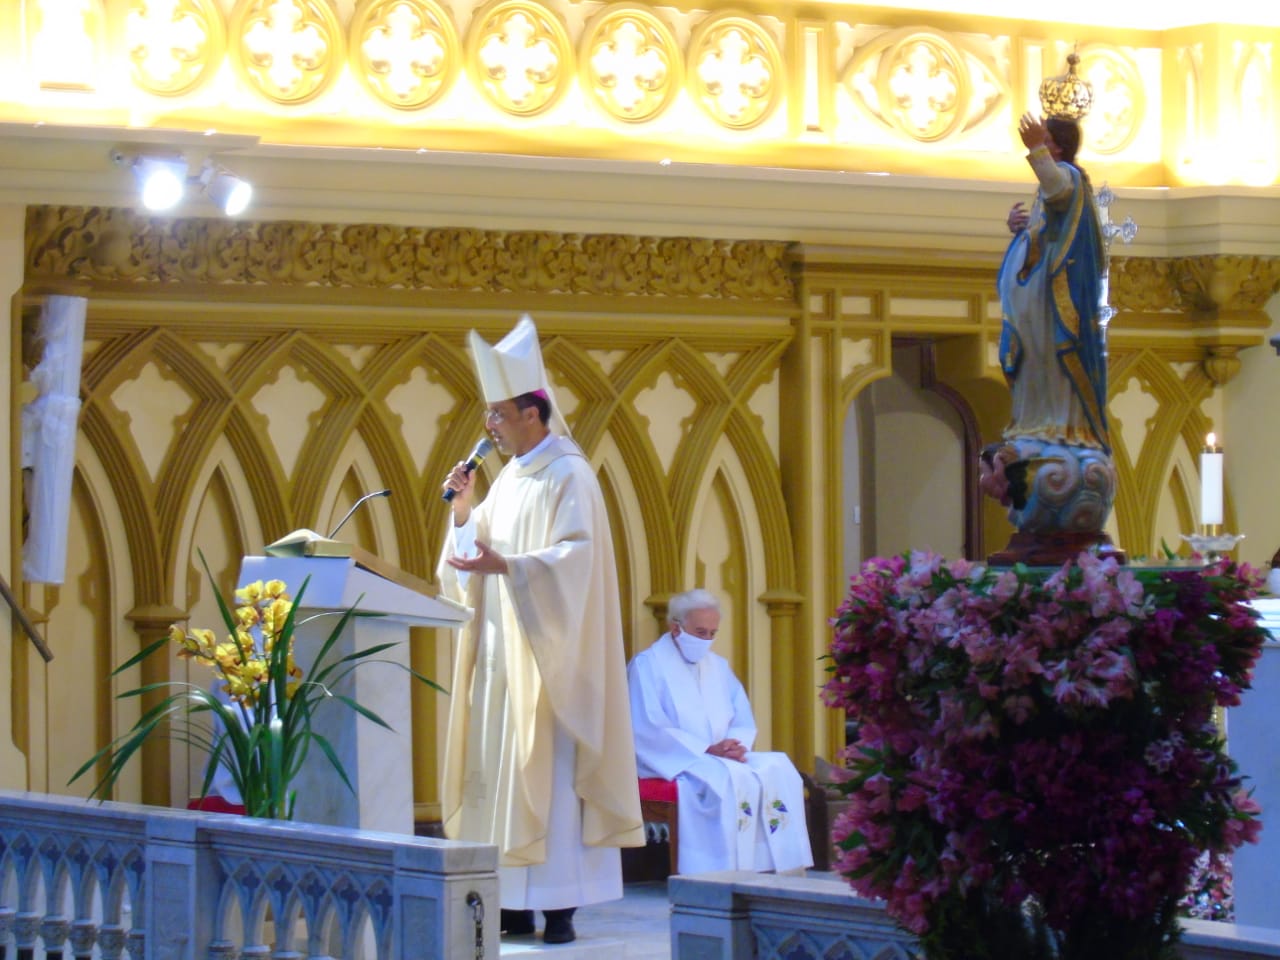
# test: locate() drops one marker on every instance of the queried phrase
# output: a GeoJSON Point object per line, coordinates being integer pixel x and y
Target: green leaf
{"type": "Point", "coordinates": [362, 710]}
{"type": "Point", "coordinates": [140, 656]}
{"type": "Point", "coordinates": [327, 749]}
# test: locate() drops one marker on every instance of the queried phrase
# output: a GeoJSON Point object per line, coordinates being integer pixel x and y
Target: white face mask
{"type": "Point", "coordinates": [692, 648]}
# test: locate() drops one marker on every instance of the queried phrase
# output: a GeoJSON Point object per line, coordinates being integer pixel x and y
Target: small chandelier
{"type": "Point", "coordinates": [1066, 97]}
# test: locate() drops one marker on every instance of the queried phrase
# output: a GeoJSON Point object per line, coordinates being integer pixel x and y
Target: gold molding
{"type": "Point", "coordinates": [174, 51]}
{"type": "Point", "coordinates": [637, 87]}
{"type": "Point", "coordinates": [287, 61]}
{"type": "Point", "coordinates": [1228, 284]}
{"type": "Point", "coordinates": [919, 82]}
{"type": "Point", "coordinates": [1210, 285]}
{"type": "Point", "coordinates": [735, 70]}
{"type": "Point", "coordinates": [105, 245]}
{"type": "Point", "coordinates": [520, 56]}
{"type": "Point", "coordinates": [404, 52]}
{"type": "Point", "coordinates": [836, 86]}
{"type": "Point", "coordinates": [1144, 285]}
{"type": "Point", "coordinates": [1120, 103]}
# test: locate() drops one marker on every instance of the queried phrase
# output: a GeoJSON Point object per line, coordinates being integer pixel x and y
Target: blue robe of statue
{"type": "Point", "coordinates": [1051, 343]}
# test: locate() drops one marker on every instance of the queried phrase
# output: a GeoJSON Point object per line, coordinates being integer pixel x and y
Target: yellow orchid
{"type": "Point", "coordinates": [274, 616]}
{"type": "Point", "coordinates": [195, 643]}
{"type": "Point", "coordinates": [248, 617]}
{"type": "Point", "coordinates": [227, 656]}
{"type": "Point", "coordinates": [251, 593]}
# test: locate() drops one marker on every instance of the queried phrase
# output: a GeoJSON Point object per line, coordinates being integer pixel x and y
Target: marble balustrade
{"type": "Point", "coordinates": [81, 877]}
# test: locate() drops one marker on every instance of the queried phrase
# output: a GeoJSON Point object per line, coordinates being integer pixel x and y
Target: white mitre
{"type": "Point", "coordinates": [514, 366]}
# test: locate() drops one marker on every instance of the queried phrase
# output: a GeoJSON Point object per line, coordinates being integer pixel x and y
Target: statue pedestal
{"type": "Point", "coordinates": [1053, 549]}
{"type": "Point", "coordinates": [1059, 497]}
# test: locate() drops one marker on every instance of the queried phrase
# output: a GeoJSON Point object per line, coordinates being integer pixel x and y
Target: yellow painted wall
{"type": "Point", "coordinates": [13, 767]}
{"type": "Point", "coordinates": [1251, 410]}
{"type": "Point", "coordinates": [918, 467]}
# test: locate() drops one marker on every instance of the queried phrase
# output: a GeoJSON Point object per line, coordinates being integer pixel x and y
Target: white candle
{"type": "Point", "coordinates": [1211, 482]}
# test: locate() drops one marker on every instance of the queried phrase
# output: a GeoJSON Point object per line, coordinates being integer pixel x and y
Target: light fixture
{"type": "Point", "coordinates": [230, 193]}
{"type": "Point", "coordinates": [162, 180]}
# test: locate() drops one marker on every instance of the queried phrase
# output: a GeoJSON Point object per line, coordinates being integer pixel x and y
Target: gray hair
{"type": "Point", "coordinates": [683, 604]}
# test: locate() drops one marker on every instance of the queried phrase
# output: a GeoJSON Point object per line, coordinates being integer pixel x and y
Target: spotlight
{"type": "Point", "coordinates": [162, 180]}
{"type": "Point", "coordinates": [229, 192]}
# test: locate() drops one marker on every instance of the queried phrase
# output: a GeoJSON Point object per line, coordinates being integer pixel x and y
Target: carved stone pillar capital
{"type": "Point", "coordinates": [26, 927]}
{"type": "Point", "coordinates": [83, 935]}
{"type": "Point", "coordinates": [153, 619]}
{"type": "Point", "coordinates": [111, 941]}
{"type": "Point", "coordinates": [53, 933]}
{"type": "Point", "coordinates": [657, 603]}
{"type": "Point", "coordinates": [781, 603]}
{"type": "Point", "coordinates": [1220, 363]}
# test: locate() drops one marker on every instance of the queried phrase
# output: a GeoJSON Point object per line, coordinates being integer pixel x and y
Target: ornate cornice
{"type": "Point", "coordinates": [1228, 283]}
{"type": "Point", "coordinates": [1208, 285]}
{"type": "Point", "coordinates": [116, 245]}
{"type": "Point", "coordinates": [1144, 285]}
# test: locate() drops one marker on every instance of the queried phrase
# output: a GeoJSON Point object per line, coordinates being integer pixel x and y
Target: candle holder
{"type": "Point", "coordinates": [1212, 545]}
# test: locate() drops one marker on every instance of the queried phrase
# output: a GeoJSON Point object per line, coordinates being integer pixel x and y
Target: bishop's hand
{"type": "Point", "coordinates": [486, 560]}
{"type": "Point", "coordinates": [462, 481]}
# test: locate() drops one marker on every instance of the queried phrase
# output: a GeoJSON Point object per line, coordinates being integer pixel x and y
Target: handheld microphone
{"type": "Point", "coordinates": [356, 506]}
{"type": "Point", "coordinates": [477, 457]}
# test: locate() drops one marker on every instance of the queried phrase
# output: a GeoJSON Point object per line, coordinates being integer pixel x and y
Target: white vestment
{"type": "Point", "coordinates": [537, 757]}
{"type": "Point", "coordinates": [731, 815]}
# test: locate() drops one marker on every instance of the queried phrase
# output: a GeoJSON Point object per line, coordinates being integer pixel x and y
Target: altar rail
{"type": "Point", "coordinates": [185, 885]}
{"type": "Point", "coordinates": [751, 916]}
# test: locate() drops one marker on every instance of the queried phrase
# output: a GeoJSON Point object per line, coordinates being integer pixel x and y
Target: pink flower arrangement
{"type": "Point", "coordinates": [1036, 767]}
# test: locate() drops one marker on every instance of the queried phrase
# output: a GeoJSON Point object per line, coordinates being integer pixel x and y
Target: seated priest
{"type": "Point", "coordinates": [737, 809]}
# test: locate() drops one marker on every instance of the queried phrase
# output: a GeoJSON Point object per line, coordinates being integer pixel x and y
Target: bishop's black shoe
{"type": "Point", "coordinates": [559, 928]}
{"type": "Point", "coordinates": [517, 923]}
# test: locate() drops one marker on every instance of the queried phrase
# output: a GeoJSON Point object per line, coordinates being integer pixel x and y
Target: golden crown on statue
{"type": "Point", "coordinates": [1066, 97]}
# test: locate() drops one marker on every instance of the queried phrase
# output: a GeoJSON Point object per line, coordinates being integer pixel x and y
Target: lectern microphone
{"type": "Point", "coordinates": [356, 506]}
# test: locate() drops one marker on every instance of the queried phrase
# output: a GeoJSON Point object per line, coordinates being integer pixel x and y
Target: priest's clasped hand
{"type": "Point", "coordinates": [486, 560]}
{"type": "Point", "coordinates": [730, 749]}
